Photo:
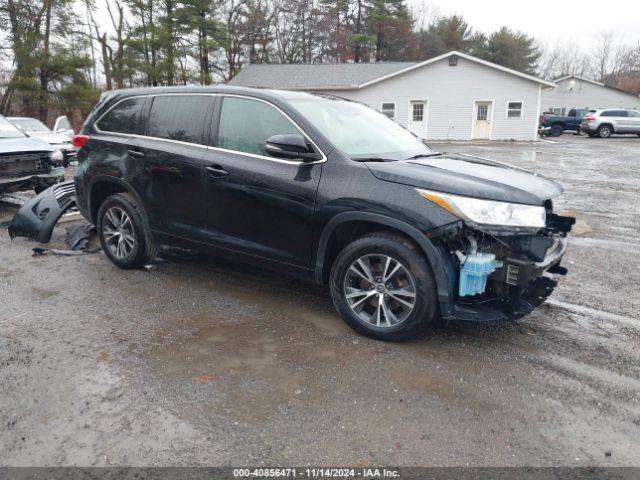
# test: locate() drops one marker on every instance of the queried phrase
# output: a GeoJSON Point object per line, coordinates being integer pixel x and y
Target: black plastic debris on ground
{"type": "Point", "coordinates": [78, 236]}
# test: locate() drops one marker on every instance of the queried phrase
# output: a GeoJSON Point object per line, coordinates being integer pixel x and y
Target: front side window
{"type": "Point", "coordinates": [514, 110]}
{"type": "Point", "coordinates": [179, 117]}
{"type": "Point", "coordinates": [359, 131]}
{"type": "Point", "coordinates": [123, 117]}
{"type": "Point", "coordinates": [246, 124]}
{"type": "Point", "coordinates": [389, 109]}
{"type": "Point", "coordinates": [9, 130]}
{"type": "Point", "coordinates": [634, 114]}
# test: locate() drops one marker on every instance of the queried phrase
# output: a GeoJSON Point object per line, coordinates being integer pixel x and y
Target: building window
{"type": "Point", "coordinates": [453, 61]}
{"type": "Point", "coordinates": [389, 109]}
{"type": "Point", "coordinates": [418, 112]}
{"type": "Point", "coordinates": [514, 110]}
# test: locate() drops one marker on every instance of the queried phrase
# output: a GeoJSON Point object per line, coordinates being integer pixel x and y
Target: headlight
{"type": "Point", "coordinates": [57, 156]}
{"type": "Point", "coordinates": [489, 212]}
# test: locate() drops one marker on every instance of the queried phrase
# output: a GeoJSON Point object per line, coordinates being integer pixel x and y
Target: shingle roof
{"type": "Point", "coordinates": [314, 75]}
{"type": "Point", "coordinates": [340, 76]}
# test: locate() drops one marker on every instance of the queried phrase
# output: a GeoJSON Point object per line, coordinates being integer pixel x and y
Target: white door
{"type": "Point", "coordinates": [418, 118]}
{"type": "Point", "coordinates": [482, 120]}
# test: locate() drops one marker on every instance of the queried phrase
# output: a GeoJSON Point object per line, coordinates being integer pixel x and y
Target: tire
{"type": "Point", "coordinates": [604, 131]}
{"type": "Point", "coordinates": [396, 321]}
{"type": "Point", "coordinates": [131, 246]}
{"type": "Point", "coordinates": [556, 130]}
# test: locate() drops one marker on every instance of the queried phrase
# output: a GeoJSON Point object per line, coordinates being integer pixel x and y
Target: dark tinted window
{"type": "Point", "coordinates": [123, 117]}
{"type": "Point", "coordinates": [179, 117]}
{"type": "Point", "coordinates": [614, 113]}
{"type": "Point", "coordinates": [246, 124]}
{"type": "Point", "coordinates": [573, 112]}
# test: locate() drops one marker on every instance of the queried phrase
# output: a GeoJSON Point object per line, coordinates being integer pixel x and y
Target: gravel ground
{"type": "Point", "coordinates": [201, 362]}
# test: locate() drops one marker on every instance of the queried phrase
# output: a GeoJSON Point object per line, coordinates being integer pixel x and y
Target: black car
{"type": "Point", "coordinates": [324, 189]}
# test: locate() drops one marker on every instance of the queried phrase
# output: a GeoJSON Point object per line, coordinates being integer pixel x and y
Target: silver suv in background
{"type": "Point", "coordinates": [605, 122]}
{"type": "Point", "coordinates": [59, 138]}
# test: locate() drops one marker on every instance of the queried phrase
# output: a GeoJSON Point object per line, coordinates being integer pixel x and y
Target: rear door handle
{"type": "Point", "coordinates": [135, 153]}
{"type": "Point", "coordinates": [216, 171]}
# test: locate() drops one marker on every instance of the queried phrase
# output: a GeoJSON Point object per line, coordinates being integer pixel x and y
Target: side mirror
{"type": "Point", "coordinates": [66, 131]}
{"type": "Point", "coordinates": [291, 146]}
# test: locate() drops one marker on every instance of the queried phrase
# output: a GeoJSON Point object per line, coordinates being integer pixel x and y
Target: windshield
{"type": "Point", "coordinates": [359, 131]}
{"type": "Point", "coordinates": [30, 124]}
{"type": "Point", "coordinates": [9, 130]}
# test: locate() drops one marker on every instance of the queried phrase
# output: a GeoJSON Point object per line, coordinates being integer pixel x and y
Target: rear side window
{"type": "Point", "coordinates": [246, 124]}
{"type": "Point", "coordinates": [123, 117]}
{"type": "Point", "coordinates": [179, 117]}
{"type": "Point", "coordinates": [614, 113]}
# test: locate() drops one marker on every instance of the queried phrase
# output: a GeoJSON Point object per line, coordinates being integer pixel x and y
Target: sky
{"type": "Point", "coordinates": [551, 22]}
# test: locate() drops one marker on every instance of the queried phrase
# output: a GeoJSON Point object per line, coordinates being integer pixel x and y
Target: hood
{"type": "Point", "coordinates": [23, 144]}
{"type": "Point", "coordinates": [469, 176]}
{"type": "Point", "coordinates": [50, 137]}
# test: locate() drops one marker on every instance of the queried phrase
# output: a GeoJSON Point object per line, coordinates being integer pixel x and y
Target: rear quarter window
{"type": "Point", "coordinates": [179, 117]}
{"type": "Point", "coordinates": [123, 117]}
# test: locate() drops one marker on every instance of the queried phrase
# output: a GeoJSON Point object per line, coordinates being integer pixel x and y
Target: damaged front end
{"type": "Point", "coordinates": [38, 216]}
{"type": "Point", "coordinates": [502, 273]}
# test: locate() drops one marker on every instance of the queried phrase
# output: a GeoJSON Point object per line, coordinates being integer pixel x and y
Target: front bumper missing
{"type": "Point", "coordinates": [39, 215]}
{"type": "Point", "coordinates": [526, 275]}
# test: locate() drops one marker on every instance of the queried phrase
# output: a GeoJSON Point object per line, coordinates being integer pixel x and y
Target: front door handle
{"type": "Point", "coordinates": [216, 171]}
{"type": "Point", "coordinates": [135, 153]}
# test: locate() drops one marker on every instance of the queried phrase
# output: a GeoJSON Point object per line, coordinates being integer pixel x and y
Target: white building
{"type": "Point", "coordinates": [451, 97]}
{"type": "Point", "coordinates": [577, 92]}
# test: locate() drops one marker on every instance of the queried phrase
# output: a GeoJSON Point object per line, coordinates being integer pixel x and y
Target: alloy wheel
{"type": "Point", "coordinates": [380, 290]}
{"type": "Point", "coordinates": [118, 232]}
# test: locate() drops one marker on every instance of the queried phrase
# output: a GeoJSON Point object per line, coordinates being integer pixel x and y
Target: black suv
{"type": "Point", "coordinates": [322, 188]}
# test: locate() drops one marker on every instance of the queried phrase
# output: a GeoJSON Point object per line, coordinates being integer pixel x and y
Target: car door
{"type": "Point", "coordinates": [254, 203]}
{"type": "Point", "coordinates": [634, 121]}
{"type": "Point", "coordinates": [171, 152]}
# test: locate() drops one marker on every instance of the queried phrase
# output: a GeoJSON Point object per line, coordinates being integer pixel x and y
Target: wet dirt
{"type": "Point", "coordinates": [199, 361]}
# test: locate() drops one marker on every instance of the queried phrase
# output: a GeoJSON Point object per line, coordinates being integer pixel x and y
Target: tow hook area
{"type": "Point", "coordinates": [39, 215]}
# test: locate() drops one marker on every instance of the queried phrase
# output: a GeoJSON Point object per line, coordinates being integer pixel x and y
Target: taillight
{"type": "Point", "coordinates": [79, 141]}
{"type": "Point", "coordinates": [589, 119]}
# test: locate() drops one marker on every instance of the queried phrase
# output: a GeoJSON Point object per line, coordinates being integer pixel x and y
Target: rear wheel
{"type": "Point", "coordinates": [556, 130]}
{"type": "Point", "coordinates": [604, 131]}
{"type": "Point", "coordinates": [122, 233]}
{"type": "Point", "coordinates": [383, 287]}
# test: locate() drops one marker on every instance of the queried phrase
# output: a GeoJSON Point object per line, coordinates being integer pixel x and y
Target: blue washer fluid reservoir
{"type": "Point", "coordinates": [474, 272]}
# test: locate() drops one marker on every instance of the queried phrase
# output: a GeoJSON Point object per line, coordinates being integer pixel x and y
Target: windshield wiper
{"type": "Point", "coordinates": [425, 155]}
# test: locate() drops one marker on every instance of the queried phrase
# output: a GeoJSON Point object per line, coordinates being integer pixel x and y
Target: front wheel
{"type": "Point", "coordinates": [383, 287]}
{"type": "Point", "coordinates": [122, 233]}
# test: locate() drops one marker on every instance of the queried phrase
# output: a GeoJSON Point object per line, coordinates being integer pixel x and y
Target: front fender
{"type": "Point", "coordinates": [440, 271]}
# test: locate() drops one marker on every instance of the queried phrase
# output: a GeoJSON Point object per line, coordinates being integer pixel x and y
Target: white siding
{"type": "Point", "coordinates": [451, 93]}
{"type": "Point", "coordinates": [574, 92]}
